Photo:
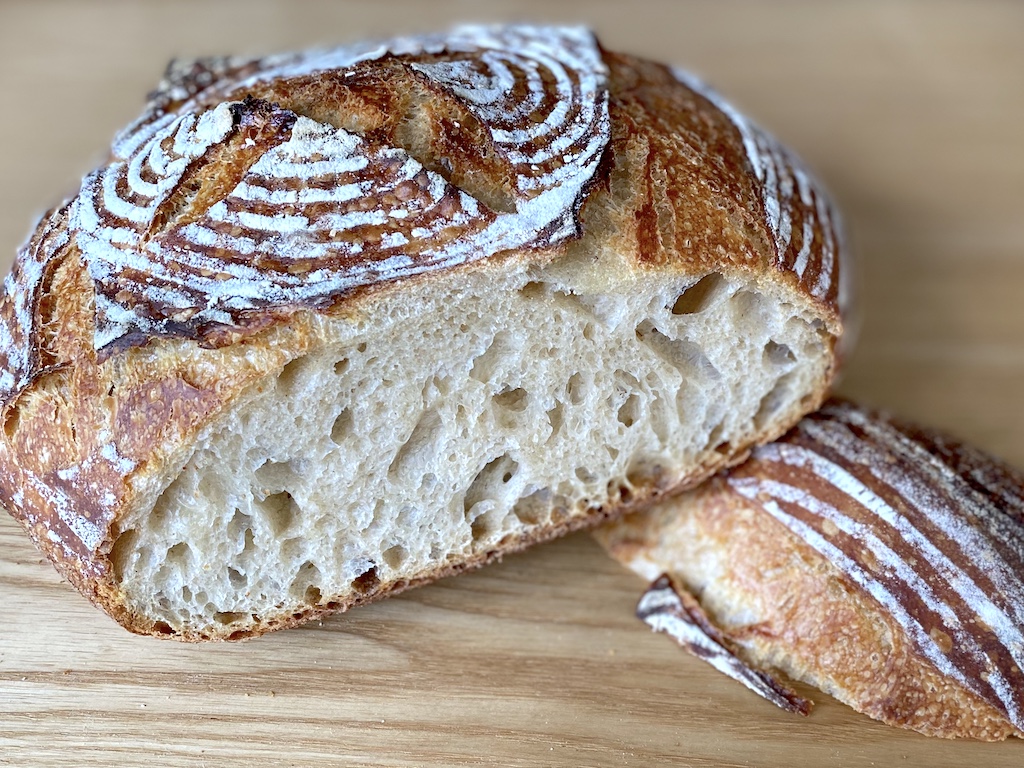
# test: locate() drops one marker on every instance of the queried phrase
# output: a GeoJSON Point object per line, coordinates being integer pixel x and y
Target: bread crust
{"type": "Point", "coordinates": [107, 380]}
{"type": "Point", "coordinates": [805, 556]}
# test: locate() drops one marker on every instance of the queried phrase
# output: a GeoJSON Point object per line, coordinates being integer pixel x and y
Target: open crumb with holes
{"type": "Point", "coordinates": [335, 324]}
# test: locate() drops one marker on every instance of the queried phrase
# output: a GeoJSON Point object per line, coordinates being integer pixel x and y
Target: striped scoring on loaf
{"type": "Point", "coordinates": [929, 528]}
{"type": "Point", "coordinates": [19, 355]}
{"type": "Point", "coordinates": [805, 228]}
{"type": "Point", "coordinates": [321, 211]}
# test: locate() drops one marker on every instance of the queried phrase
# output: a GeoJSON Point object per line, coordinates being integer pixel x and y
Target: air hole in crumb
{"type": "Point", "coordinates": [305, 577]}
{"type": "Point", "coordinates": [715, 436]}
{"type": "Point", "coordinates": [489, 482]}
{"type": "Point", "coordinates": [483, 525]}
{"type": "Point", "coordinates": [487, 363]}
{"type": "Point", "coordinates": [514, 400]}
{"type": "Point", "coordinates": [239, 522]}
{"type": "Point", "coordinates": [560, 511]}
{"type": "Point", "coordinates": [395, 556]}
{"type": "Point", "coordinates": [124, 544]}
{"type": "Point", "coordinates": [773, 401]}
{"type": "Point", "coordinates": [625, 494]}
{"type": "Point", "coordinates": [778, 354]}
{"type": "Point", "coordinates": [574, 389]}
{"type": "Point", "coordinates": [749, 308]}
{"type": "Point", "coordinates": [342, 426]}
{"type": "Point", "coordinates": [291, 549]}
{"type": "Point", "coordinates": [585, 475]}
{"type": "Point", "coordinates": [236, 578]}
{"type": "Point", "coordinates": [290, 375]}
{"type": "Point", "coordinates": [698, 296]}
{"type": "Point", "coordinates": [588, 332]}
{"type": "Point", "coordinates": [366, 582]}
{"type": "Point", "coordinates": [186, 594]}
{"type": "Point", "coordinates": [178, 554]}
{"type": "Point", "coordinates": [312, 595]}
{"type": "Point", "coordinates": [341, 366]}
{"type": "Point", "coordinates": [644, 474]}
{"type": "Point", "coordinates": [441, 385]}
{"type": "Point", "coordinates": [361, 347]}
{"type": "Point", "coordinates": [629, 411]}
{"type": "Point", "coordinates": [279, 510]}
{"type": "Point", "coordinates": [556, 417]}
{"type": "Point", "coordinates": [229, 617]}
{"type": "Point", "coordinates": [163, 628]}
{"type": "Point", "coordinates": [685, 355]}
{"type": "Point", "coordinates": [250, 542]}
{"type": "Point", "coordinates": [534, 289]}
{"type": "Point", "coordinates": [418, 450]}
{"type": "Point", "coordinates": [534, 508]}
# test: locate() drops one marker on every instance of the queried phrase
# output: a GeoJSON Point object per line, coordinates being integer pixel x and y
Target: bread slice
{"type": "Point", "coordinates": [332, 324]}
{"type": "Point", "coordinates": [877, 561]}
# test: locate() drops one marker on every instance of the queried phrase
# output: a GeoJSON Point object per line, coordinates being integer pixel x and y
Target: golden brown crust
{"type": "Point", "coordinates": [107, 380]}
{"type": "Point", "coordinates": [807, 557]}
{"type": "Point", "coordinates": [696, 144]}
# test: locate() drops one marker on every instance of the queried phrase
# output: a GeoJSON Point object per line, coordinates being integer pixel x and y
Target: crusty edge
{"type": "Point", "coordinates": [886, 679]}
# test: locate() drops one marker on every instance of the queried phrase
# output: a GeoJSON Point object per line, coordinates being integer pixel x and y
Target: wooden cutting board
{"type": "Point", "coordinates": [910, 112]}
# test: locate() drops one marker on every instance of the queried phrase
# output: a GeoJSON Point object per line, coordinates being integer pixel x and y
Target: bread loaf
{"type": "Point", "coordinates": [327, 325]}
{"type": "Point", "coordinates": [879, 562]}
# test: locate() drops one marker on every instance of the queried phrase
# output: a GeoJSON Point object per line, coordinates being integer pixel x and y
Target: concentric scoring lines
{"type": "Point", "coordinates": [326, 210]}
{"type": "Point", "coordinates": [804, 242]}
{"type": "Point", "coordinates": [933, 546]}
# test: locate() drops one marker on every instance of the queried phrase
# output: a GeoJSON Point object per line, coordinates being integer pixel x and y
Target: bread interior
{"type": "Point", "coordinates": [460, 419]}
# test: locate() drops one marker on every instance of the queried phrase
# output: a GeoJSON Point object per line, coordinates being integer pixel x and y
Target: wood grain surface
{"type": "Point", "coordinates": [910, 112]}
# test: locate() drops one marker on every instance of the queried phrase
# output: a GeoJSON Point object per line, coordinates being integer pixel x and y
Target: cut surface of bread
{"type": "Point", "coordinates": [478, 420]}
{"type": "Point", "coordinates": [332, 324]}
{"type": "Point", "coordinates": [874, 560]}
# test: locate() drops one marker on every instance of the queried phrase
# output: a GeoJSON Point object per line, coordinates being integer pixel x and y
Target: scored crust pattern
{"type": "Point", "coordinates": [928, 527]}
{"type": "Point", "coordinates": [806, 244]}
{"type": "Point", "coordinates": [318, 210]}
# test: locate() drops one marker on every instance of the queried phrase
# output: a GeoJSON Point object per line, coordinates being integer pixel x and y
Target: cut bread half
{"type": "Point", "coordinates": [314, 367]}
{"type": "Point", "coordinates": [464, 425]}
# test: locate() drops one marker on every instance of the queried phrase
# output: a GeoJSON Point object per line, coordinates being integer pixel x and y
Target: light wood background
{"type": "Point", "coordinates": [911, 112]}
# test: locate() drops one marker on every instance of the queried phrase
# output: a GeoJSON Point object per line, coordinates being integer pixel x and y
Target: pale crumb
{"type": "Point", "coordinates": [498, 410]}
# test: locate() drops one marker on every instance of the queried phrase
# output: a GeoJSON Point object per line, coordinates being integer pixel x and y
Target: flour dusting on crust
{"type": "Point", "coordinates": [931, 529]}
{"type": "Point", "coordinates": [323, 210]}
{"type": "Point", "coordinates": [788, 195]}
